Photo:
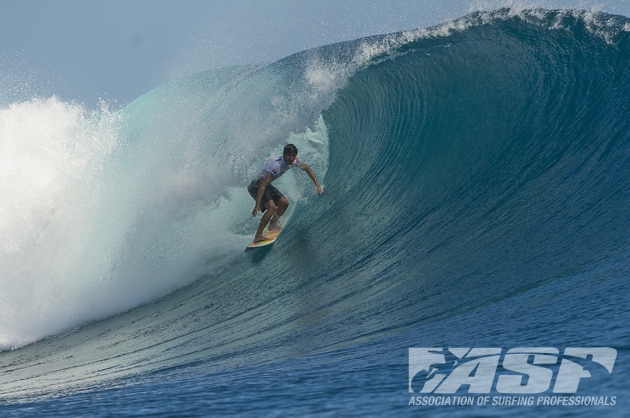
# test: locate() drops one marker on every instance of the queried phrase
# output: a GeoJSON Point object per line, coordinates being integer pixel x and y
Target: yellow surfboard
{"type": "Point", "coordinates": [270, 238]}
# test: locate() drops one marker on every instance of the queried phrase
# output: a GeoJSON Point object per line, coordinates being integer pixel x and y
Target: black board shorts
{"type": "Point", "coordinates": [271, 193]}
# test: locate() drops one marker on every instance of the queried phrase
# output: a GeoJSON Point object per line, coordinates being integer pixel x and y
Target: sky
{"type": "Point", "coordinates": [117, 50]}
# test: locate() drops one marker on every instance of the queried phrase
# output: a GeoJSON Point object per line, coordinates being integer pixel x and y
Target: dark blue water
{"type": "Point", "coordinates": [476, 195]}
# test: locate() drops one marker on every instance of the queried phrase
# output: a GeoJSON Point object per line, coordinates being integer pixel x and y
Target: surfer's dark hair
{"type": "Point", "coordinates": [290, 149]}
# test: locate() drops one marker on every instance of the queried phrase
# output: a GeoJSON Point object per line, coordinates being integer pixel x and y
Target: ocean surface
{"type": "Point", "coordinates": [476, 195]}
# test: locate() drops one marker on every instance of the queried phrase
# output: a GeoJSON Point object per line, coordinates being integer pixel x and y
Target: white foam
{"type": "Point", "coordinates": [95, 221]}
{"type": "Point", "coordinates": [89, 227]}
{"type": "Point", "coordinates": [50, 153]}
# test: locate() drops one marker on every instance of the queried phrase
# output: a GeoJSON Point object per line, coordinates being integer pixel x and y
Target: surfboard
{"type": "Point", "coordinates": [271, 238]}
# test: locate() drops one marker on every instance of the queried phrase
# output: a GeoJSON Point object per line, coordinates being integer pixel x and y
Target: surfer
{"type": "Point", "coordinates": [268, 199]}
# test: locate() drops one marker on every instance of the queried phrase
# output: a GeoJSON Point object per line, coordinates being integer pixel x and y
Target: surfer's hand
{"type": "Point", "coordinates": [319, 190]}
{"type": "Point", "coordinates": [255, 211]}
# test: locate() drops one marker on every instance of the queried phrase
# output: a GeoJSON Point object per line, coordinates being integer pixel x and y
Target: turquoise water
{"type": "Point", "coordinates": [475, 196]}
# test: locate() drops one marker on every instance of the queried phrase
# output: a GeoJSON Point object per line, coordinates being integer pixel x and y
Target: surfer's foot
{"type": "Point", "coordinates": [260, 239]}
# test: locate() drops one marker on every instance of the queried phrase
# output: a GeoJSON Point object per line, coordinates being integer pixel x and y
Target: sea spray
{"type": "Point", "coordinates": [105, 210]}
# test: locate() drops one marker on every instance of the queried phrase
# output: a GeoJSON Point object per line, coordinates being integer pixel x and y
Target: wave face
{"type": "Point", "coordinates": [463, 165]}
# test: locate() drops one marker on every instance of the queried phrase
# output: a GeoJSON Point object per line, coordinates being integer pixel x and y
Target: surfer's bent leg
{"type": "Point", "coordinates": [282, 205]}
{"type": "Point", "coordinates": [270, 207]}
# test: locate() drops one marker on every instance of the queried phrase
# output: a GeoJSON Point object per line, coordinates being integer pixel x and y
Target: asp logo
{"type": "Point", "coordinates": [527, 370]}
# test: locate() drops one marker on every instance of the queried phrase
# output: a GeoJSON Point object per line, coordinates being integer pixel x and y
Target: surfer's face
{"type": "Point", "coordinates": [289, 158]}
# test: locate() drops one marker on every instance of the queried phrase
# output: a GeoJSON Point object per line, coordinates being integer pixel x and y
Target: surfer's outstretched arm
{"type": "Point", "coordinates": [313, 177]}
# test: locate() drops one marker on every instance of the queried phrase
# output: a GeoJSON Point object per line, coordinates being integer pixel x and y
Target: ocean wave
{"type": "Point", "coordinates": [463, 164]}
